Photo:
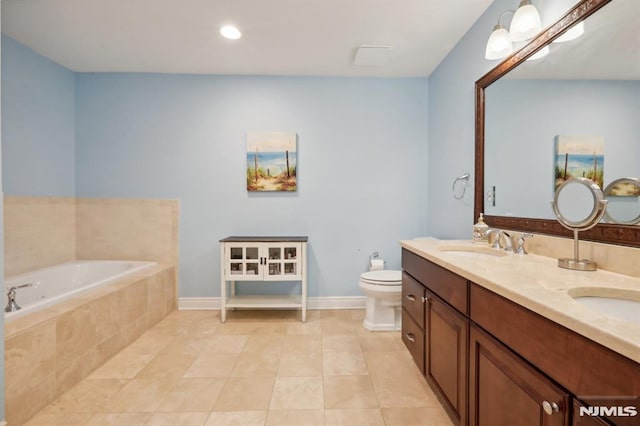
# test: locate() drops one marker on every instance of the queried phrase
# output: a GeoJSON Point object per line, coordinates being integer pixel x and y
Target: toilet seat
{"type": "Point", "coordinates": [385, 277]}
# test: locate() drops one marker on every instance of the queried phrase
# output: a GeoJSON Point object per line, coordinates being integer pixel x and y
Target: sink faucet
{"type": "Point", "coordinates": [12, 306]}
{"type": "Point", "coordinates": [519, 243]}
{"type": "Point", "coordinates": [504, 236]}
{"type": "Point", "coordinates": [492, 238]}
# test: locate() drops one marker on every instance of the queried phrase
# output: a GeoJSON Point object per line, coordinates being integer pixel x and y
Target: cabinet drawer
{"type": "Point", "coordinates": [413, 299]}
{"type": "Point", "coordinates": [413, 338]}
{"type": "Point", "coordinates": [450, 287]}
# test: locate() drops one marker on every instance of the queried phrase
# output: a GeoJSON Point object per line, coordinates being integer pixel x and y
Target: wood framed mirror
{"type": "Point", "coordinates": [621, 234]}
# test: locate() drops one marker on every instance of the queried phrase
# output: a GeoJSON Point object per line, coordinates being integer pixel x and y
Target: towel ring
{"type": "Point", "coordinates": [465, 180]}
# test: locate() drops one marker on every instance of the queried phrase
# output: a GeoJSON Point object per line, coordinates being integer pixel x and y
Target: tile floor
{"type": "Point", "coordinates": [260, 368]}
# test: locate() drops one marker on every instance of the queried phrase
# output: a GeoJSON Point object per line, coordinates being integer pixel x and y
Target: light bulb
{"type": "Point", "coordinates": [526, 22]}
{"type": "Point", "coordinates": [230, 32]}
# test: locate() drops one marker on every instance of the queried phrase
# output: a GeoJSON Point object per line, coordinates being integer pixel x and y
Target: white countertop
{"type": "Point", "coordinates": [537, 283]}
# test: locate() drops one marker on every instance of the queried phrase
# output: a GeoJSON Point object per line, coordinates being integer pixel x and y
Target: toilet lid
{"type": "Point", "coordinates": [383, 277]}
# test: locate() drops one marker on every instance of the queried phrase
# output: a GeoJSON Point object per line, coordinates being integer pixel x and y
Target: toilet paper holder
{"type": "Point", "coordinates": [372, 256]}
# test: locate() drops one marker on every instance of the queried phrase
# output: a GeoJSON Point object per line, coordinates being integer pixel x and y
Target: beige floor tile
{"type": "Point", "coordinates": [188, 345]}
{"type": "Point", "coordinates": [256, 364]}
{"type": "Point", "coordinates": [349, 392]}
{"type": "Point", "coordinates": [343, 363]}
{"type": "Point", "coordinates": [88, 396]}
{"type": "Point", "coordinates": [140, 395]}
{"type": "Point", "coordinates": [214, 365]}
{"type": "Point", "coordinates": [67, 419]}
{"type": "Point", "coordinates": [119, 419]}
{"type": "Point", "coordinates": [304, 328]}
{"type": "Point", "coordinates": [226, 344]}
{"type": "Point", "coordinates": [340, 343]}
{"type": "Point", "coordinates": [295, 418]}
{"type": "Point", "coordinates": [192, 395]}
{"type": "Point", "coordinates": [178, 419]}
{"type": "Point", "coordinates": [264, 343]}
{"type": "Point", "coordinates": [167, 365]}
{"type": "Point", "coordinates": [333, 325]}
{"type": "Point", "coordinates": [124, 365]}
{"type": "Point", "coordinates": [245, 393]}
{"type": "Point", "coordinates": [297, 393]}
{"type": "Point", "coordinates": [302, 344]}
{"type": "Point", "coordinates": [381, 342]}
{"type": "Point", "coordinates": [300, 364]}
{"type": "Point", "coordinates": [415, 417]}
{"type": "Point", "coordinates": [403, 391]}
{"type": "Point", "coordinates": [353, 417]}
{"type": "Point", "coordinates": [391, 364]}
{"type": "Point", "coordinates": [237, 418]}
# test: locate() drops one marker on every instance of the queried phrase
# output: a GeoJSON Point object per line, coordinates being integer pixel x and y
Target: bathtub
{"type": "Point", "coordinates": [57, 283]}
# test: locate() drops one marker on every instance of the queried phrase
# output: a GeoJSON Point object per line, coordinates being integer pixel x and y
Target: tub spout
{"type": "Point", "coordinates": [12, 306]}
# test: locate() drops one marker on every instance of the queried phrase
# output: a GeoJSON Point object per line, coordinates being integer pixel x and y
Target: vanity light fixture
{"type": "Point", "coordinates": [499, 44]}
{"type": "Point", "coordinates": [230, 32]}
{"type": "Point", "coordinates": [572, 33]}
{"type": "Point", "coordinates": [539, 54]}
{"type": "Point", "coordinates": [524, 25]}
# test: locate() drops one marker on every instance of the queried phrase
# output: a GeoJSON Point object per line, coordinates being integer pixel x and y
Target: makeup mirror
{"type": "Point", "coordinates": [623, 196]}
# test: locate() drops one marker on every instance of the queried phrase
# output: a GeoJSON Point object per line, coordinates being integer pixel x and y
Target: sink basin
{"type": "Point", "coordinates": [615, 303]}
{"type": "Point", "coordinates": [472, 252]}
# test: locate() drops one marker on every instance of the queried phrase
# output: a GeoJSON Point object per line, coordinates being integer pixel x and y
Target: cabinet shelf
{"type": "Point", "coordinates": [258, 301]}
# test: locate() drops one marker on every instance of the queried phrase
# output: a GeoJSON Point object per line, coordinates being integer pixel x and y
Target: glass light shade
{"type": "Point", "coordinates": [525, 23]}
{"type": "Point", "coordinates": [230, 32]}
{"type": "Point", "coordinates": [572, 34]}
{"type": "Point", "coordinates": [499, 44]}
{"type": "Point", "coordinates": [539, 54]}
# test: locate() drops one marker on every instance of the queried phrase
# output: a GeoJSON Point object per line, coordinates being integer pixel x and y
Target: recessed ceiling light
{"type": "Point", "coordinates": [230, 32]}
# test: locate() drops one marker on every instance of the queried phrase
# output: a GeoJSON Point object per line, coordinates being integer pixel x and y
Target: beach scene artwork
{"type": "Point", "coordinates": [579, 156]}
{"type": "Point", "coordinates": [272, 161]}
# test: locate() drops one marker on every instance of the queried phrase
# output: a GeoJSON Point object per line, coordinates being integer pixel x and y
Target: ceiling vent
{"type": "Point", "coordinates": [372, 56]}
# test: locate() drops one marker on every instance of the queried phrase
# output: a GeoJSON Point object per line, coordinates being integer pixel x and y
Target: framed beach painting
{"type": "Point", "coordinates": [579, 156]}
{"type": "Point", "coordinates": [272, 161]}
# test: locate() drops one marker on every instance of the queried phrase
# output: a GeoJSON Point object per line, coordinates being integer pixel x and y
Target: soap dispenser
{"type": "Point", "coordinates": [480, 230]}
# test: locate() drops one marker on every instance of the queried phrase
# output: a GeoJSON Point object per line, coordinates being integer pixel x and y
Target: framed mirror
{"type": "Point", "coordinates": [527, 110]}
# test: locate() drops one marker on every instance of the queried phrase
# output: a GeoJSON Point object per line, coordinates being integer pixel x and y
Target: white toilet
{"type": "Point", "coordinates": [383, 289]}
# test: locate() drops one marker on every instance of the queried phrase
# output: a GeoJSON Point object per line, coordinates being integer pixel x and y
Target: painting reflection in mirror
{"type": "Point", "coordinates": [579, 156]}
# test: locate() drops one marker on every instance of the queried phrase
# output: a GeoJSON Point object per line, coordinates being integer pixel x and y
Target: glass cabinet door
{"type": "Point", "coordinates": [283, 261]}
{"type": "Point", "coordinates": [243, 261]}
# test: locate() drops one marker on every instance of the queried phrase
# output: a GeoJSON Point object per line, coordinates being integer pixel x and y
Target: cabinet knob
{"type": "Point", "coordinates": [410, 297]}
{"type": "Point", "coordinates": [550, 407]}
{"type": "Point", "coordinates": [425, 299]}
{"type": "Point", "coordinates": [410, 337]}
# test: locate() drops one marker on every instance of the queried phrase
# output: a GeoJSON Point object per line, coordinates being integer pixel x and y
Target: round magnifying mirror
{"type": "Point", "coordinates": [623, 201]}
{"type": "Point", "coordinates": [578, 204]}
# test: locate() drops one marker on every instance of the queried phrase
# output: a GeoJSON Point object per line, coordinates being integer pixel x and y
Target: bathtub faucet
{"type": "Point", "coordinates": [12, 306]}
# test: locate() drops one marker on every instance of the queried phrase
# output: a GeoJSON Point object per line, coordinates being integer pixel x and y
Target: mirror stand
{"type": "Point", "coordinates": [579, 205]}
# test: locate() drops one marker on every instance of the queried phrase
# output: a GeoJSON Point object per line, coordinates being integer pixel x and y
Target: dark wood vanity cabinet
{"type": "Point", "coordinates": [505, 390]}
{"type": "Point", "coordinates": [429, 294]}
{"type": "Point", "coordinates": [493, 362]}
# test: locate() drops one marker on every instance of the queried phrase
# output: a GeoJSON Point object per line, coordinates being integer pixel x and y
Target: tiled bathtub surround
{"type": "Point", "coordinates": [38, 232]}
{"type": "Point", "coordinates": [48, 352]}
{"type": "Point", "coordinates": [127, 229]}
{"type": "Point", "coordinates": [45, 231]}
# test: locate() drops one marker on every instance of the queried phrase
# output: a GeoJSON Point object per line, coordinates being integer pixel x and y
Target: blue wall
{"type": "Point", "coordinates": [1, 255]}
{"type": "Point", "coordinates": [362, 155]}
{"type": "Point", "coordinates": [38, 132]}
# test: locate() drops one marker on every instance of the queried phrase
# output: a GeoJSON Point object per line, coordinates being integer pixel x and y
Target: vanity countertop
{"type": "Point", "coordinates": [537, 283]}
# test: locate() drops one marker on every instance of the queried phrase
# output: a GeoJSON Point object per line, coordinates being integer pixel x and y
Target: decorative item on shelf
{"type": "Point", "coordinates": [525, 24]}
{"type": "Point", "coordinates": [579, 205]}
{"type": "Point", "coordinates": [579, 156]}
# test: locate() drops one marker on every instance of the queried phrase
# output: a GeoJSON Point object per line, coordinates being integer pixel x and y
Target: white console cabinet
{"type": "Point", "coordinates": [262, 259]}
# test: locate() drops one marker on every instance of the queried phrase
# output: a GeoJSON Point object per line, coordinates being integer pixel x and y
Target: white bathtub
{"type": "Point", "coordinates": [56, 283]}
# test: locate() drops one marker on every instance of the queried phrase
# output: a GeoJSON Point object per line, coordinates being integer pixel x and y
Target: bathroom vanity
{"type": "Point", "coordinates": [501, 340]}
{"type": "Point", "coordinates": [267, 259]}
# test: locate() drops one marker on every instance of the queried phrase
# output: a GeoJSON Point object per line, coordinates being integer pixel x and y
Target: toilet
{"type": "Point", "coordinates": [383, 289]}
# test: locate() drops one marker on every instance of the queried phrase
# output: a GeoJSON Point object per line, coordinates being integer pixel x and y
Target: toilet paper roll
{"type": "Point", "coordinates": [376, 265]}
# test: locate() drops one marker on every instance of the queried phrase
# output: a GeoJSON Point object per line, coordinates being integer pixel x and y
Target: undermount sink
{"type": "Point", "coordinates": [472, 252]}
{"type": "Point", "coordinates": [615, 303]}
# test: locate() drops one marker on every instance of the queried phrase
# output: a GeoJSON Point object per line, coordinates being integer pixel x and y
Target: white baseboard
{"type": "Point", "coordinates": [338, 302]}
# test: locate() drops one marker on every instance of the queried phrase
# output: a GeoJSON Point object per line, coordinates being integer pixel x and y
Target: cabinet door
{"type": "Point", "coordinates": [506, 390]}
{"type": "Point", "coordinates": [446, 355]}
{"type": "Point", "coordinates": [283, 261]}
{"type": "Point", "coordinates": [243, 261]}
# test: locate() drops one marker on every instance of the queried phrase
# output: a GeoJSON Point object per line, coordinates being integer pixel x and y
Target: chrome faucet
{"type": "Point", "coordinates": [519, 243]}
{"type": "Point", "coordinates": [504, 236]}
{"type": "Point", "coordinates": [492, 238]}
{"type": "Point", "coordinates": [12, 306]}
